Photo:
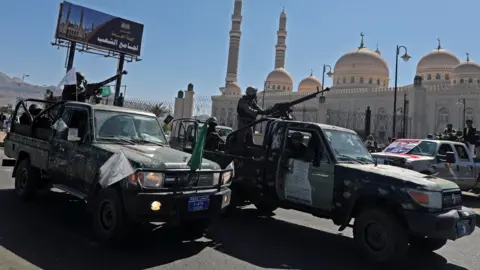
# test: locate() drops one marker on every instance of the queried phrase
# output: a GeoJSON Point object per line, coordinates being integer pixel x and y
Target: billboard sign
{"type": "Point", "coordinates": [97, 29]}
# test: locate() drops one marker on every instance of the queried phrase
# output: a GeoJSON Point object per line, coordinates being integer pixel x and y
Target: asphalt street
{"type": "Point", "coordinates": [54, 233]}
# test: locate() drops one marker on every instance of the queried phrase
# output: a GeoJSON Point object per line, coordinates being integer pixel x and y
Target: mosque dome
{"type": "Point", "coordinates": [436, 66]}
{"type": "Point", "coordinates": [466, 72]}
{"type": "Point", "coordinates": [279, 79]}
{"type": "Point", "coordinates": [361, 67]}
{"type": "Point", "coordinates": [309, 84]}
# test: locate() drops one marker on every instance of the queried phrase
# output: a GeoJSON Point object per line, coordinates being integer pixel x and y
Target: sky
{"type": "Point", "coordinates": [186, 41]}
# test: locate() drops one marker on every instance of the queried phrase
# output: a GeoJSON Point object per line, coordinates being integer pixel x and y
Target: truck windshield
{"type": "Point", "coordinates": [137, 128]}
{"type": "Point", "coordinates": [413, 147]}
{"type": "Point", "coordinates": [347, 146]}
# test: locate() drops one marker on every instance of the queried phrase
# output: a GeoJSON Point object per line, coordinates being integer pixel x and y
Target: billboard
{"type": "Point", "coordinates": [97, 29]}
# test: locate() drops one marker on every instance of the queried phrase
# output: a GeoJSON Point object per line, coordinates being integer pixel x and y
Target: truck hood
{"type": "Point", "coordinates": [408, 157]}
{"type": "Point", "coordinates": [370, 172]}
{"type": "Point", "coordinates": [155, 157]}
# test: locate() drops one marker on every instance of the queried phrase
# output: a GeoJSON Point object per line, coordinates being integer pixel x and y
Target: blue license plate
{"type": "Point", "coordinates": [463, 228]}
{"type": "Point", "coordinates": [198, 203]}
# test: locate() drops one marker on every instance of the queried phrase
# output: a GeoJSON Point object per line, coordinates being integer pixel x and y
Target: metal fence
{"type": "Point", "coordinates": [380, 125]}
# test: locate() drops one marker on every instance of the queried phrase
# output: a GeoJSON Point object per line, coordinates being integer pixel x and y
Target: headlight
{"type": "Point", "coordinates": [151, 179]}
{"type": "Point", "coordinates": [430, 199]}
{"type": "Point", "coordinates": [227, 177]}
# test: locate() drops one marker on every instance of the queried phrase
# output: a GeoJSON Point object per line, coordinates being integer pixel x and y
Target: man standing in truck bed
{"type": "Point", "coordinates": [247, 110]}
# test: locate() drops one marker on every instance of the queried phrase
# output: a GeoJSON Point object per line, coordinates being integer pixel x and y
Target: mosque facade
{"type": "Point", "coordinates": [445, 90]}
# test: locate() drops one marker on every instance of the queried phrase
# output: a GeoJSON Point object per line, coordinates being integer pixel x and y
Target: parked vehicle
{"type": "Point", "coordinates": [161, 187]}
{"type": "Point", "coordinates": [446, 159]}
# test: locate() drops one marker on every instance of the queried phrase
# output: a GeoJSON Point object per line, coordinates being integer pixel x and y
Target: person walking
{"type": "Point", "coordinates": [469, 136]}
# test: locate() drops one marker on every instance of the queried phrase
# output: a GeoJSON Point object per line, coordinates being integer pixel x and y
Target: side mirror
{"type": "Point", "coordinates": [450, 157]}
{"type": "Point", "coordinates": [168, 120]}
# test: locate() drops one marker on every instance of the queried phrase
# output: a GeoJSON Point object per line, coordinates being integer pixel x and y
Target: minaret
{"type": "Point", "coordinates": [281, 47]}
{"type": "Point", "coordinates": [234, 47]}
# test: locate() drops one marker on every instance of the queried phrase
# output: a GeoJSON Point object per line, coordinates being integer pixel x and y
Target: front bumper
{"type": "Point", "coordinates": [174, 207]}
{"type": "Point", "coordinates": [442, 225]}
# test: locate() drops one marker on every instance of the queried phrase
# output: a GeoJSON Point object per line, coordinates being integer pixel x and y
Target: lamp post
{"type": "Point", "coordinates": [405, 58]}
{"type": "Point", "coordinates": [463, 102]}
{"type": "Point", "coordinates": [25, 76]}
{"type": "Point", "coordinates": [329, 73]}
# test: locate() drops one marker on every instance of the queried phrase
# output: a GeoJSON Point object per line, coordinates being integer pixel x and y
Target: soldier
{"type": "Point", "coordinates": [295, 147]}
{"type": "Point", "coordinates": [33, 109]}
{"type": "Point", "coordinates": [469, 136]}
{"type": "Point", "coordinates": [213, 140]}
{"type": "Point", "coordinates": [247, 110]}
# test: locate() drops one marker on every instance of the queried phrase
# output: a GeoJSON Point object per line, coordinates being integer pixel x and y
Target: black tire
{"type": "Point", "coordinates": [194, 229]}
{"type": "Point", "coordinates": [266, 208]}
{"type": "Point", "coordinates": [426, 244]}
{"type": "Point", "coordinates": [28, 180]}
{"type": "Point", "coordinates": [380, 223]}
{"type": "Point", "coordinates": [110, 222]}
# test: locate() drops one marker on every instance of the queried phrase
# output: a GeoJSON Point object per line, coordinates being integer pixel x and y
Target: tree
{"type": "Point", "coordinates": [159, 110]}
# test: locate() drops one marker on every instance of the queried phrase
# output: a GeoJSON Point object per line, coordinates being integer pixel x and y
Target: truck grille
{"type": "Point", "coordinates": [452, 199]}
{"type": "Point", "coordinates": [181, 180]}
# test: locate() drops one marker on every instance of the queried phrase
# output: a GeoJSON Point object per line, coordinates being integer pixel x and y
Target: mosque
{"type": "Point", "coordinates": [445, 90]}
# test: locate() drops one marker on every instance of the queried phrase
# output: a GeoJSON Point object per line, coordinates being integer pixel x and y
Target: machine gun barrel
{"type": "Point", "coordinates": [284, 109]}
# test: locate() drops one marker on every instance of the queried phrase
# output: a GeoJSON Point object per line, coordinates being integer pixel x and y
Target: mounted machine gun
{"type": "Point", "coordinates": [283, 110]}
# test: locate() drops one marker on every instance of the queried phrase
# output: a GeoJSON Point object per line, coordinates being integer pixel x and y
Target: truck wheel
{"type": "Point", "coordinates": [266, 208]}
{"type": "Point", "coordinates": [110, 223]}
{"type": "Point", "coordinates": [194, 229]}
{"type": "Point", "coordinates": [27, 180]}
{"type": "Point", "coordinates": [380, 236]}
{"type": "Point", "coordinates": [426, 244]}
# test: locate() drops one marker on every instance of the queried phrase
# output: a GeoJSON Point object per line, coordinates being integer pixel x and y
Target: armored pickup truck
{"type": "Point", "coordinates": [71, 155]}
{"type": "Point", "coordinates": [327, 171]}
{"type": "Point", "coordinates": [446, 159]}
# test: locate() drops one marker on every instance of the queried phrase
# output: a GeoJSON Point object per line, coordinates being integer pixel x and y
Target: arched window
{"type": "Point", "coordinates": [344, 79]}
{"type": "Point", "coordinates": [443, 117]}
{"type": "Point", "coordinates": [470, 80]}
{"type": "Point", "coordinates": [378, 82]}
{"type": "Point", "coordinates": [454, 81]}
{"type": "Point", "coordinates": [429, 77]}
{"type": "Point", "coordinates": [362, 80]}
{"type": "Point", "coordinates": [470, 114]}
{"type": "Point", "coordinates": [447, 77]}
{"type": "Point", "coordinates": [462, 81]}
{"type": "Point", "coordinates": [437, 76]}
{"type": "Point", "coordinates": [370, 81]}
{"type": "Point", "coordinates": [284, 88]}
{"type": "Point", "coordinates": [338, 81]}
{"type": "Point", "coordinates": [278, 87]}
{"type": "Point", "coordinates": [478, 81]}
{"type": "Point", "coordinates": [352, 79]}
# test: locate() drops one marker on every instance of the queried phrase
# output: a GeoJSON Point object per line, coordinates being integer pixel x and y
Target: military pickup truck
{"type": "Point", "coordinates": [446, 159]}
{"type": "Point", "coordinates": [332, 175]}
{"type": "Point", "coordinates": [71, 154]}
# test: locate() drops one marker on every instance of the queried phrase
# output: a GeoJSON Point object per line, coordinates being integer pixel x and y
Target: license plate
{"type": "Point", "coordinates": [463, 228]}
{"type": "Point", "coordinates": [198, 203]}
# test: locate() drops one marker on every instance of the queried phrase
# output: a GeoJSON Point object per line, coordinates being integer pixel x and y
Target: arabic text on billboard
{"type": "Point", "coordinates": [95, 28]}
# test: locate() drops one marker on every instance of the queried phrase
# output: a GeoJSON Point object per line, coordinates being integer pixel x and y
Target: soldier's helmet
{"type": "Point", "coordinates": [251, 91]}
{"type": "Point", "coordinates": [34, 109]}
{"type": "Point", "coordinates": [212, 121]}
{"type": "Point", "coordinates": [297, 137]}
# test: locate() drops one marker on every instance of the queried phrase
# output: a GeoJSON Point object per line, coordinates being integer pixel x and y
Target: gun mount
{"type": "Point", "coordinates": [283, 110]}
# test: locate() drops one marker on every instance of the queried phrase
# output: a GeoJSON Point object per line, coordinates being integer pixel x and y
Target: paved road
{"type": "Point", "coordinates": [54, 233]}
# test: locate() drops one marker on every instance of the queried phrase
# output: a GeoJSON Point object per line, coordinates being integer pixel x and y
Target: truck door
{"type": "Point", "coordinates": [58, 162]}
{"type": "Point", "coordinates": [305, 176]}
{"type": "Point", "coordinates": [444, 171]}
{"type": "Point", "coordinates": [465, 169]}
{"type": "Point", "coordinates": [184, 134]}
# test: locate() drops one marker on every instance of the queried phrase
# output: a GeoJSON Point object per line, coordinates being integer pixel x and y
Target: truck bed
{"type": "Point", "coordinates": [38, 150]}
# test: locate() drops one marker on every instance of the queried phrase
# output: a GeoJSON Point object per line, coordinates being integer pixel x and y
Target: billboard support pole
{"type": "Point", "coordinates": [118, 84]}
{"type": "Point", "coordinates": [71, 55]}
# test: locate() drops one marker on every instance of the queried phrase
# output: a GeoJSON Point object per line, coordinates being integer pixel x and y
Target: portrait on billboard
{"type": "Point", "coordinates": [98, 29]}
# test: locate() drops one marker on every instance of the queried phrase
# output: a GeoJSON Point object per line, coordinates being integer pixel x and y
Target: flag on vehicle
{"type": "Point", "coordinates": [195, 161]}
{"type": "Point", "coordinates": [116, 168]}
{"type": "Point", "coordinates": [69, 78]}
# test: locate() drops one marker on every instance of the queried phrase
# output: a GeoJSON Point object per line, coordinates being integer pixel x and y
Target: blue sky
{"type": "Point", "coordinates": [187, 40]}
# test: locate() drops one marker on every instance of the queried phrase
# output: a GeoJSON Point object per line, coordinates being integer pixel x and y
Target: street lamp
{"type": "Point", "coordinates": [25, 76]}
{"type": "Point", "coordinates": [329, 74]}
{"type": "Point", "coordinates": [463, 102]}
{"type": "Point", "coordinates": [405, 58]}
